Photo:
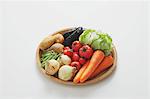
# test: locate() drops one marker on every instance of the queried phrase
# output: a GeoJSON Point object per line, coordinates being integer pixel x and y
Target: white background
{"type": "Point", "coordinates": [25, 24]}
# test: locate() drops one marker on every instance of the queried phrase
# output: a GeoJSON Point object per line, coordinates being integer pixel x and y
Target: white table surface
{"type": "Point", "coordinates": [24, 25]}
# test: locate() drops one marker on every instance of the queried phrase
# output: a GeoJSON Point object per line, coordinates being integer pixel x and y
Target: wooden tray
{"type": "Point", "coordinates": [100, 77]}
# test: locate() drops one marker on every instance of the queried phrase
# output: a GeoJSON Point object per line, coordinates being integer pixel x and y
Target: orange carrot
{"type": "Point", "coordinates": [78, 75]}
{"type": "Point", "coordinates": [107, 62]}
{"type": "Point", "coordinates": [94, 62]}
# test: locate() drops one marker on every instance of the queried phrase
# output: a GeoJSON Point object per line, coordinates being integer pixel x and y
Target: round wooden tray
{"type": "Point", "coordinates": [100, 77]}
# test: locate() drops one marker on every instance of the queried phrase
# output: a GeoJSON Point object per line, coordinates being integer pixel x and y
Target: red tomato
{"type": "Point", "coordinates": [67, 48]}
{"type": "Point", "coordinates": [75, 57]}
{"type": "Point", "coordinates": [76, 64]}
{"type": "Point", "coordinates": [76, 45]}
{"type": "Point", "coordinates": [82, 61]}
{"type": "Point", "coordinates": [86, 51]}
{"type": "Point", "coordinates": [68, 53]}
{"type": "Point", "coordinates": [76, 52]}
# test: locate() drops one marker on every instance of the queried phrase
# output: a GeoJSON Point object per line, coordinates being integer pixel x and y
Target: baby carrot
{"type": "Point", "coordinates": [107, 62]}
{"type": "Point", "coordinates": [78, 75]}
{"type": "Point", "coordinates": [96, 59]}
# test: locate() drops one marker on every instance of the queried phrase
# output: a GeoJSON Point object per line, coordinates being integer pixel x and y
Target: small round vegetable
{"type": "Point", "coordinates": [67, 48]}
{"type": "Point", "coordinates": [86, 51]}
{"type": "Point", "coordinates": [76, 64]}
{"type": "Point", "coordinates": [57, 47]}
{"type": "Point", "coordinates": [52, 67]}
{"type": "Point", "coordinates": [76, 45]}
{"type": "Point", "coordinates": [75, 57]}
{"type": "Point", "coordinates": [82, 61]}
{"type": "Point", "coordinates": [59, 38]}
{"type": "Point", "coordinates": [66, 72]}
{"type": "Point", "coordinates": [68, 53]}
{"type": "Point", "coordinates": [65, 59]}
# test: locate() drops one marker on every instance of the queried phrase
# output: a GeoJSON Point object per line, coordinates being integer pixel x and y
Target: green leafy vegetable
{"type": "Point", "coordinates": [85, 37]}
{"type": "Point", "coordinates": [97, 40]}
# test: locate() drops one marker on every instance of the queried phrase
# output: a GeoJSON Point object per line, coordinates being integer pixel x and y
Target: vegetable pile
{"type": "Point", "coordinates": [97, 40]}
{"type": "Point", "coordinates": [48, 55]}
{"type": "Point", "coordinates": [77, 55]}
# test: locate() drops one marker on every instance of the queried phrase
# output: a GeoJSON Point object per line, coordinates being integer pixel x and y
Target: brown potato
{"type": "Point", "coordinates": [50, 40]}
{"type": "Point", "coordinates": [57, 47]}
{"type": "Point", "coordinates": [59, 38]}
{"type": "Point", "coordinates": [47, 42]}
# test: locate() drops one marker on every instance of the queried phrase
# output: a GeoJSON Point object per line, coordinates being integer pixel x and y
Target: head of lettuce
{"type": "Point", "coordinates": [97, 40]}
